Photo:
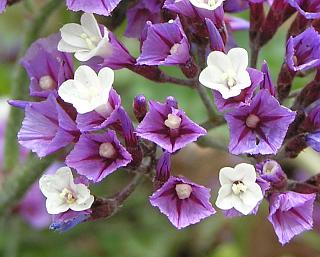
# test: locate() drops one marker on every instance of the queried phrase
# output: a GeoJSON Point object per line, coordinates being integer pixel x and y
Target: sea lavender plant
{"type": "Point", "coordinates": [76, 114]}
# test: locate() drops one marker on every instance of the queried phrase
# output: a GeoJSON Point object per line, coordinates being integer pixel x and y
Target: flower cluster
{"type": "Point", "coordinates": [78, 115]}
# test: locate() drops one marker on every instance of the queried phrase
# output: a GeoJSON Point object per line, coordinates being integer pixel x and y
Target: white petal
{"type": "Point", "coordinates": [219, 60]}
{"type": "Point", "coordinates": [228, 93]}
{"type": "Point", "coordinates": [239, 59]}
{"type": "Point", "coordinates": [253, 195]}
{"type": "Point", "coordinates": [106, 78]}
{"type": "Point", "coordinates": [74, 92]}
{"type": "Point", "coordinates": [52, 185]}
{"type": "Point", "coordinates": [243, 80]}
{"type": "Point", "coordinates": [225, 198]}
{"type": "Point", "coordinates": [71, 34]}
{"type": "Point", "coordinates": [85, 204]}
{"type": "Point", "coordinates": [65, 47]}
{"type": "Point", "coordinates": [86, 76]}
{"type": "Point", "coordinates": [246, 173]}
{"type": "Point", "coordinates": [226, 175]}
{"type": "Point", "coordinates": [90, 25]}
{"type": "Point", "coordinates": [103, 50]}
{"type": "Point", "coordinates": [240, 206]}
{"type": "Point", "coordinates": [56, 205]}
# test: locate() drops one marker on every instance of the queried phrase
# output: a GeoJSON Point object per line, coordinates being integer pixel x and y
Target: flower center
{"type": "Point", "coordinates": [238, 187]}
{"type": "Point", "coordinates": [229, 79]}
{"type": "Point", "coordinates": [107, 150]}
{"type": "Point", "coordinates": [47, 83]}
{"type": "Point", "coordinates": [183, 191]}
{"type": "Point", "coordinates": [175, 48]}
{"type": "Point", "coordinates": [90, 41]}
{"type": "Point", "coordinates": [252, 121]}
{"type": "Point", "coordinates": [67, 195]}
{"type": "Point", "coordinates": [269, 167]}
{"type": "Point", "coordinates": [173, 121]}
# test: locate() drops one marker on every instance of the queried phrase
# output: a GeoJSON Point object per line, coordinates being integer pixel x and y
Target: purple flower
{"type": "Point", "coordinates": [165, 44]}
{"type": "Point", "coordinates": [46, 66]}
{"type": "Point", "coordinates": [168, 127]}
{"type": "Point", "coordinates": [3, 5]}
{"type": "Point", "coordinates": [310, 9]}
{"type": "Point", "coordinates": [46, 127]}
{"type": "Point", "coordinates": [98, 155]}
{"type": "Point", "coordinates": [313, 140]}
{"type": "Point", "coordinates": [187, 9]}
{"type": "Point", "coordinates": [259, 128]}
{"type": "Point", "coordinates": [290, 214]}
{"type": "Point", "coordinates": [95, 121]}
{"type": "Point", "coordinates": [245, 96]}
{"type": "Point", "coordinates": [101, 7]}
{"type": "Point", "coordinates": [140, 107]}
{"type": "Point", "coordinates": [271, 171]}
{"type": "Point", "coordinates": [183, 202]}
{"type": "Point", "coordinates": [303, 51]}
{"type": "Point", "coordinates": [145, 10]}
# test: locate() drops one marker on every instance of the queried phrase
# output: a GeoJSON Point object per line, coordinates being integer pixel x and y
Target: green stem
{"type": "Point", "coordinates": [20, 180]}
{"type": "Point", "coordinates": [20, 88]}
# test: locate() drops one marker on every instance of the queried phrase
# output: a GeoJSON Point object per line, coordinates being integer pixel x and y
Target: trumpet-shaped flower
{"type": "Point", "coordinates": [85, 39]}
{"type": "Point", "coordinates": [63, 194]}
{"type": "Point", "coordinates": [88, 91]}
{"type": "Point", "coordinates": [227, 73]}
{"type": "Point", "coordinates": [239, 189]}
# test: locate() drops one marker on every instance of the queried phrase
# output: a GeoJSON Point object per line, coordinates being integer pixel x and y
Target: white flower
{"type": "Point", "coordinates": [84, 40]}
{"type": "Point", "coordinates": [63, 194]}
{"type": "Point", "coordinates": [239, 189]}
{"type": "Point", "coordinates": [227, 73]}
{"type": "Point", "coordinates": [207, 4]}
{"type": "Point", "coordinates": [88, 91]}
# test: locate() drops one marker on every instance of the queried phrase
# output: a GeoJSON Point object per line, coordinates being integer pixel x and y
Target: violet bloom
{"type": "Point", "coordinates": [165, 44]}
{"type": "Point", "coordinates": [271, 171]}
{"type": "Point", "coordinates": [245, 96]}
{"type": "Point", "coordinates": [235, 5]}
{"type": "Point", "coordinates": [291, 214]}
{"type": "Point", "coordinates": [96, 156]}
{"type": "Point", "coordinates": [93, 121]}
{"type": "Point", "coordinates": [303, 51]}
{"type": "Point", "coordinates": [168, 127]}
{"type": "Point", "coordinates": [258, 128]}
{"type": "Point", "coordinates": [310, 9]}
{"type": "Point", "coordinates": [183, 202]}
{"type": "Point", "coordinates": [186, 8]}
{"type": "Point", "coordinates": [313, 140]}
{"type": "Point", "coordinates": [46, 66]}
{"type": "Point", "coordinates": [102, 7]}
{"type": "Point", "coordinates": [145, 10]}
{"type": "Point", "coordinates": [3, 5]}
{"type": "Point", "coordinates": [46, 127]}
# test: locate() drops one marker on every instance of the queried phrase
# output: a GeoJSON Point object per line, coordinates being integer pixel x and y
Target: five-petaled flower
{"type": "Point", "coordinates": [89, 91]}
{"type": "Point", "coordinates": [227, 73]}
{"type": "Point", "coordinates": [183, 202]}
{"type": "Point", "coordinates": [85, 40]}
{"type": "Point", "coordinates": [239, 189]}
{"type": "Point", "coordinates": [63, 194]}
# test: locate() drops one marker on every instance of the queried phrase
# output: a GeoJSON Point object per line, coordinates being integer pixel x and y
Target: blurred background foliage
{"type": "Point", "coordinates": [140, 230]}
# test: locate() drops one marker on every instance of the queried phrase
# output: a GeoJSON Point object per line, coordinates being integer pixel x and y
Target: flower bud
{"type": "Point", "coordinates": [162, 170]}
{"type": "Point", "coordinates": [140, 106]}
